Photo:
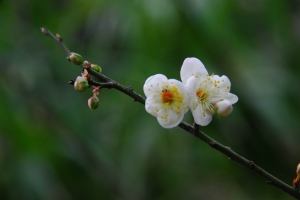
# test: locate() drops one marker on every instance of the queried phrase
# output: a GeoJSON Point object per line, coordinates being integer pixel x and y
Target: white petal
{"type": "Point", "coordinates": [171, 120]}
{"type": "Point", "coordinates": [224, 83]}
{"type": "Point", "coordinates": [194, 103]}
{"type": "Point", "coordinates": [201, 119]}
{"type": "Point", "coordinates": [192, 67]}
{"type": "Point", "coordinates": [152, 107]}
{"type": "Point", "coordinates": [192, 86]}
{"type": "Point", "coordinates": [148, 79]}
{"type": "Point", "coordinates": [162, 112]}
{"type": "Point", "coordinates": [152, 84]}
{"type": "Point", "coordinates": [232, 98]}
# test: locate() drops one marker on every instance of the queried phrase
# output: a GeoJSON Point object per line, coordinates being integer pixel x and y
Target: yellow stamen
{"type": "Point", "coordinates": [172, 97]}
{"type": "Point", "coordinates": [203, 100]}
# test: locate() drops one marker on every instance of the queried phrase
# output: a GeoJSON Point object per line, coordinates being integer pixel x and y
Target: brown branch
{"type": "Point", "coordinates": [194, 130]}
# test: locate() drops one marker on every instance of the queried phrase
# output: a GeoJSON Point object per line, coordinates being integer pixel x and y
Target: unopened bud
{"type": "Point", "coordinates": [97, 68]}
{"type": "Point", "coordinates": [76, 59]}
{"type": "Point", "coordinates": [298, 170]}
{"type": "Point", "coordinates": [81, 83]}
{"type": "Point", "coordinates": [93, 102]}
{"type": "Point", "coordinates": [223, 108]}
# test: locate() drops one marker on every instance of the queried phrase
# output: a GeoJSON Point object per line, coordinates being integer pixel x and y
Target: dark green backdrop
{"type": "Point", "coordinates": [53, 147]}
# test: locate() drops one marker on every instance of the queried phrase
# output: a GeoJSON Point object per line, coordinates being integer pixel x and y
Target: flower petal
{"type": "Point", "coordinates": [171, 119]}
{"type": "Point", "coordinates": [232, 98]}
{"type": "Point", "coordinates": [152, 81]}
{"type": "Point", "coordinates": [192, 67]}
{"type": "Point", "coordinates": [152, 106]}
{"type": "Point", "coordinates": [192, 86]}
{"type": "Point", "coordinates": [201, 116]}
{"type": "Point", "coordinates": [220, 87]}
{"type": "Point", "coordinates": [224, 83]}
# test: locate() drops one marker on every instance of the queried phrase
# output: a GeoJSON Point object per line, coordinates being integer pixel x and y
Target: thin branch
{"type": "Point", "coordinates": [107, 85]}
{"type": "Point", "coordinates": [127, 90]}
{"type": "Point", "coordinates": [270, 179]}
{"type": "Point", "coordinates": [194, 130]}
{"type": "Point", "coordinates": [57, 39]}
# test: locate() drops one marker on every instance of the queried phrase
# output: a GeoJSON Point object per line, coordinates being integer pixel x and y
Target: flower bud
{"type": "Point", "coordinates": [81, 83]}
{"type": "Point", "coordinates": [93, 102]}
{"type": "Point", "coordinates": [76, 59]}
{"type": "Point", "coordinates": [298, 170]}
{"type": "Point", "coordinates": [223, 108]}
{"type": "Point", "coordinates": [97, 68]}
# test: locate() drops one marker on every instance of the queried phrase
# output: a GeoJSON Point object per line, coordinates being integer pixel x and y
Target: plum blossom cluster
{"type": "Point", "coordinates": [204, 94]}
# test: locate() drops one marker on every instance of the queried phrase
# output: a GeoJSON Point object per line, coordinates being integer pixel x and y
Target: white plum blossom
{"type": "Point", "coordinates": [167, 99]}
{"type": "Point", "coordinates": [205, 91]}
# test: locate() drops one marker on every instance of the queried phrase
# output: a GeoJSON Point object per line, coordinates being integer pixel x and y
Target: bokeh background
{"type": "Point", "coordinates": [53, 147]}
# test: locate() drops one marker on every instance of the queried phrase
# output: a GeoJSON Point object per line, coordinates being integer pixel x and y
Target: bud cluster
{"type": "Point", "coordinates": [82, 82]}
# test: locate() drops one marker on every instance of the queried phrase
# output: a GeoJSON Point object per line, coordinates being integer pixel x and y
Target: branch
{"type": "Point", "coordinates": [194, 130]}
{"type": "Point", "coordinates": [57, 39]}
{"type": "Point", "coordinates": [108, 85]}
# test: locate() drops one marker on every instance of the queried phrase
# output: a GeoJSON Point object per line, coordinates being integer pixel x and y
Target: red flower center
{"type": "Point", "coordinates": [167, 97]}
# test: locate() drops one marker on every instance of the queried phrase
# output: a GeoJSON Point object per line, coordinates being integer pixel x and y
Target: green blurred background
{"type": "Point", "coordinates": [53, 147]}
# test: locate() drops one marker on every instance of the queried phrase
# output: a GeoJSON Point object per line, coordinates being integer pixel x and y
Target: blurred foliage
{"type": "Point", "coordinates": [53, 147]}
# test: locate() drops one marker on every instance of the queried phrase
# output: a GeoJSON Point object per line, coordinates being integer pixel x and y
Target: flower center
{"type": "Point", "coordinates": [201, 95]}
{"type": "Point", "coordinates": [172, 98]}
{"type": "Point", "coordinates": [203, 100]}
{"type": "Point", "coordinates": [167, 97]}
